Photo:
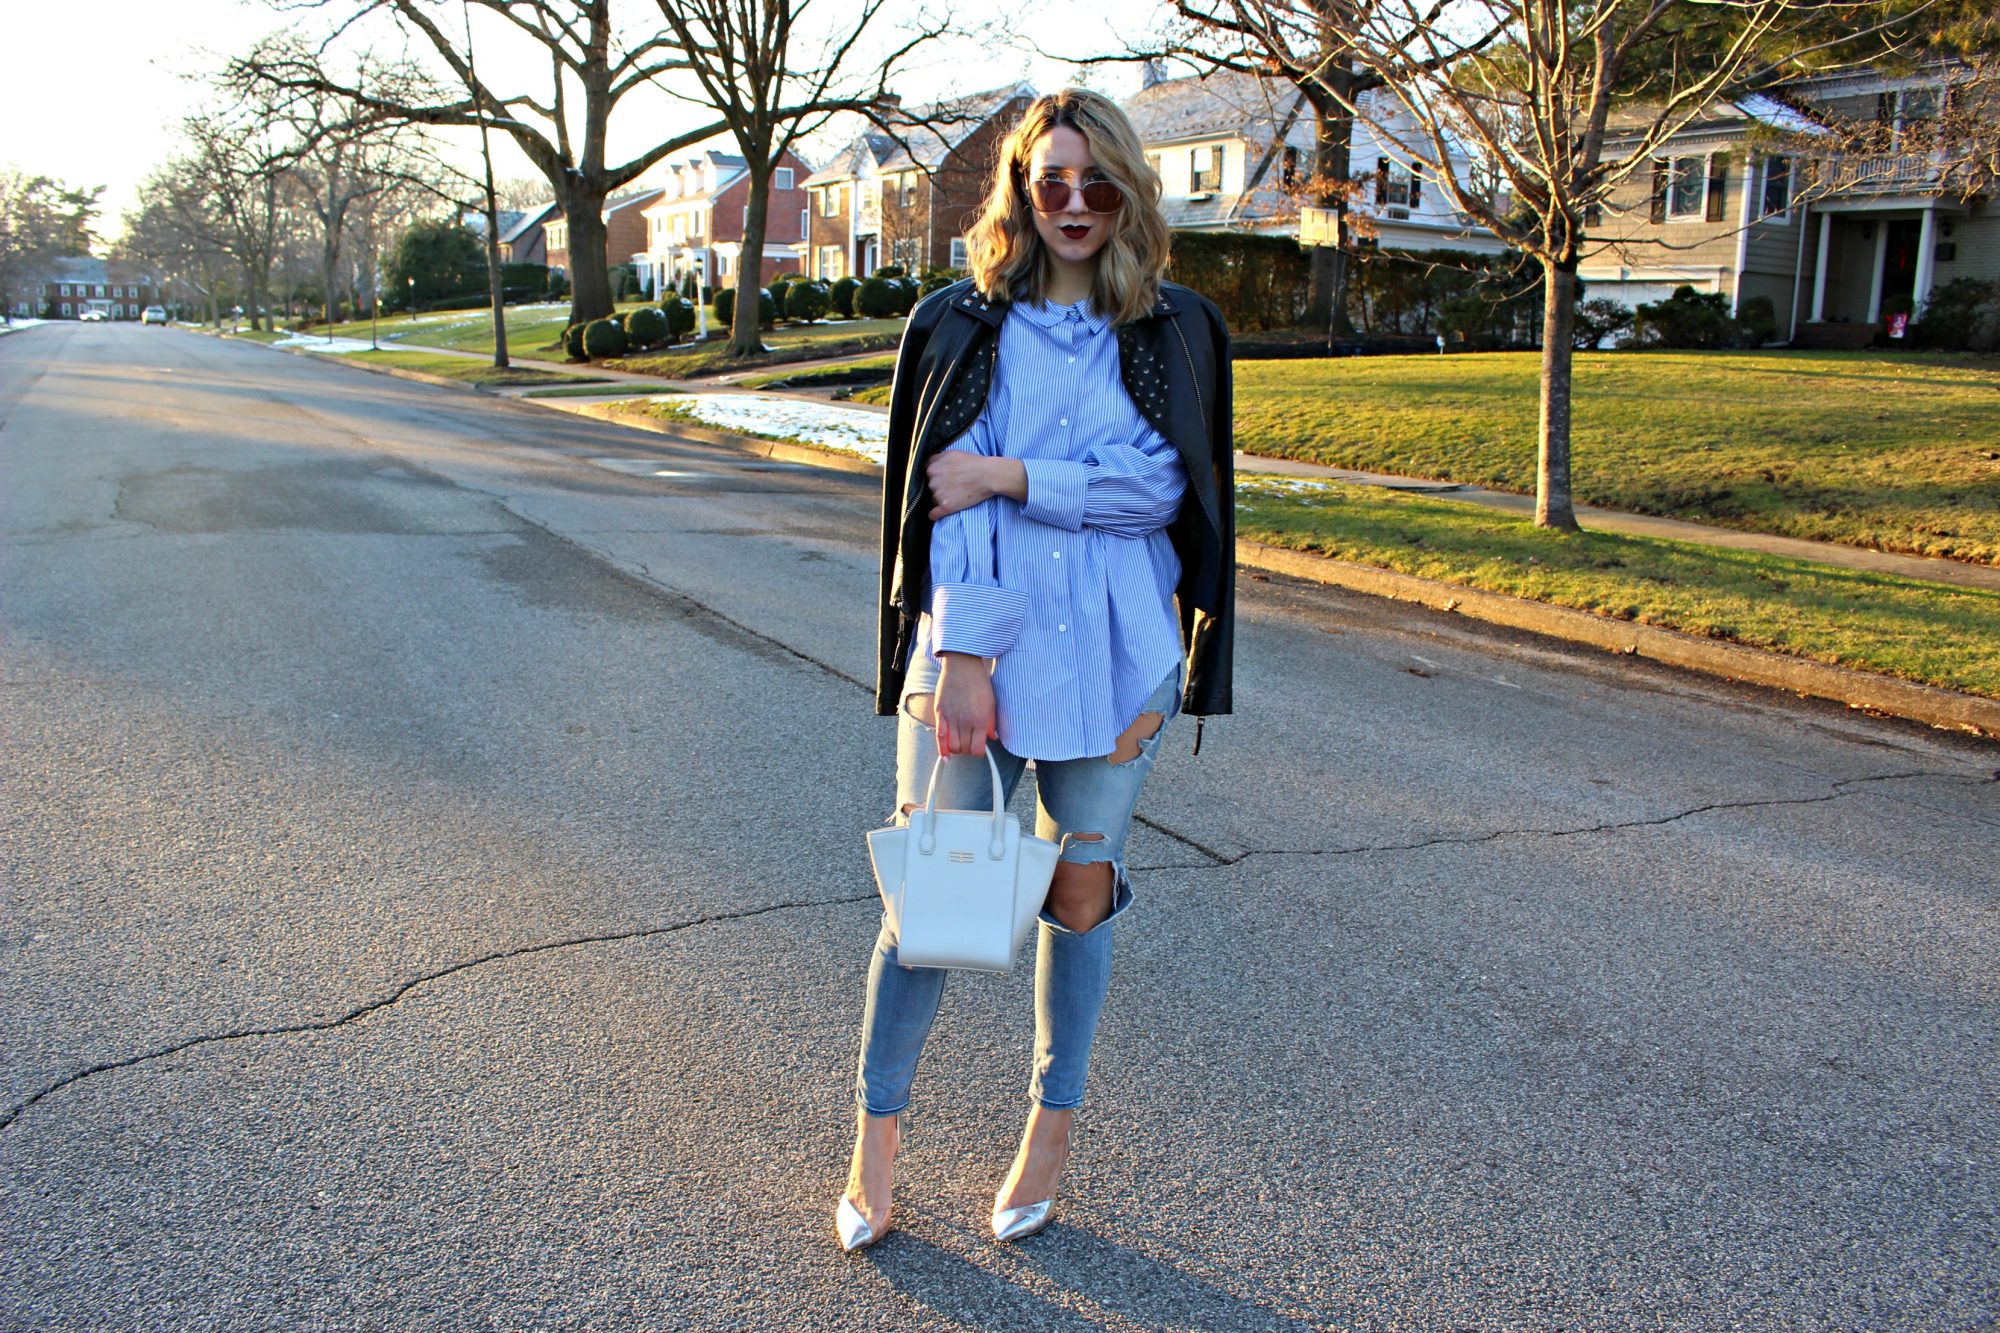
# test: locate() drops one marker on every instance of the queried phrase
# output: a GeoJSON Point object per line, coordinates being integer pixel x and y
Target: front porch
{"type": "Point", "coordinates": [1872, 256]}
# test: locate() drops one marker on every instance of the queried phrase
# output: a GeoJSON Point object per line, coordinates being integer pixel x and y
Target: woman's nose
{"type": "Point", "coordinates": [1075, 204]}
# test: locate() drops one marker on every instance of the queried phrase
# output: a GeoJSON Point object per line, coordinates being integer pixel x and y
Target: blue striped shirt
{"type": "Point", "coordinates": [1071, 590]}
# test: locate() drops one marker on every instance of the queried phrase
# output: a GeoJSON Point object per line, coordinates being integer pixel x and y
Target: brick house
{"type": "Point", "coordinates": [74, 286]}
{"type": "Point", "coordinates": [526, 241]}
{"type": "Point", "coordinates": [909, 198]}
{"type": "Point", "coordinates": [624, 231]}
{"type": "Point", "coordinates": [695, 225]}
{"type": "Point", "coordinates": [1723, 208]}
{"type": "Point", "coordinates": [1229, 149]}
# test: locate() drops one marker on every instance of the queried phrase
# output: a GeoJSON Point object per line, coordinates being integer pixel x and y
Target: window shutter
{"type": "Point", "coordinates": [1658, 211]}
{"type": "Point", "coordinates": [1718, 187]}
{"type": "Point", "coordinates": [1416, 184]}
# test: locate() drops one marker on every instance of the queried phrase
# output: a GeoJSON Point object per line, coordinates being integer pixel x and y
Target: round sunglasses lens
{"type": "Point", "coordinates": [1102, 197]}
{"type": "Point", "coordinates": [1053, 196]}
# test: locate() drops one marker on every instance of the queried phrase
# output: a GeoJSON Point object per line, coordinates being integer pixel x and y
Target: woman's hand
{"type": "Point", "coordinates": [964, 708]}
{"type": "Point", "coordinates": [960, 480]}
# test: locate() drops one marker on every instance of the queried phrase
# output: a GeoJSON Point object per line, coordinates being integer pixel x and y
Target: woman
{"type": "Point", "coordinates": [1058, 479]}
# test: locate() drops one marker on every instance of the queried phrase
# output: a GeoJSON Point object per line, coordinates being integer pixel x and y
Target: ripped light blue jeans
{"type": "Point", "coordinates": [1072, 971]}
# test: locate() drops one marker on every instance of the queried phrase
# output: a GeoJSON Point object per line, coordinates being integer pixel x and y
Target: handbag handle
{"type": "Point", "coordinates": [927, 843]}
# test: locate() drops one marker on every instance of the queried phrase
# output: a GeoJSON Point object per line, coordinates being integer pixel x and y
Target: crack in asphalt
{"type": "Point", "coordinates": [15, 1112]}
{"type": "Point", "coordinates": [1470, 839]}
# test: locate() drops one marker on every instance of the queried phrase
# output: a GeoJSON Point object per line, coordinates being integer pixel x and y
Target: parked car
{"type": "Point", "coordinates": [154, 315]}
{"type": "Point", "coordinates": [93, 316]}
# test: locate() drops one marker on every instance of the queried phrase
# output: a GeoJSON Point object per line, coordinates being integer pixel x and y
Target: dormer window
{"type": "Point", "coordinates": [1204, 169]}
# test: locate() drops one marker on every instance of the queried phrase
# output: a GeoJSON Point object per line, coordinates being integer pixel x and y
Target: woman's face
{"type": "Point", "coordinates": [1074, 234]}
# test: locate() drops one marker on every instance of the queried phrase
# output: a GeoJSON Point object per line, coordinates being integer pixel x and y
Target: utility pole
{"type": "Point", "coordinates": [492, 210]}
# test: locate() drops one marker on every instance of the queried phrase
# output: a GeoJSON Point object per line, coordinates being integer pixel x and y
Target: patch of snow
{"type": "Point", "coordinates": [23, 322]}
{"type": "Point", "coordinates": [828, 426]}
{"type": "Point", "coordinates": [313, 342]}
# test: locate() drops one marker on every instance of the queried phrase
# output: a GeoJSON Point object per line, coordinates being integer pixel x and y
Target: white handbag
{"type": "Point", "coordinates": [962, 888]}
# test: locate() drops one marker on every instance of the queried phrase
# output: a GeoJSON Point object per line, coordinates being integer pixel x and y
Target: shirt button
{"type": "Point", "coordinates": [1063, 422]}
{"type": "Point", "coordinates": [1062, 629]}
{"type": "Point", "coordinates": [1056, 554]}
{"type": "Point", "coordinates": [1072, 361]}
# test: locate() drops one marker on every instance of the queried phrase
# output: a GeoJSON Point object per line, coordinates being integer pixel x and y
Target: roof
{"type": "Point", "coordinates": [922, 138]}
{"type": "Point", "coordinates": [89, 268]}
{"type": "Point", "coordinates": [1214, 105]}
{"type": "Point", "coordinates": [527, 220]}
{"type": "Point", "coordinates": [638, 199]}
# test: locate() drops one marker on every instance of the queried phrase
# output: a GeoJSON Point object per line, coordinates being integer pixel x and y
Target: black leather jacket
{"type": "Point", "coordinates": [1175, 365]}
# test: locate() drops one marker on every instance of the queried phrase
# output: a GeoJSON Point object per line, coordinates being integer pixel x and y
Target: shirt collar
{"type": "Point", "coordinates": [1052, 316]}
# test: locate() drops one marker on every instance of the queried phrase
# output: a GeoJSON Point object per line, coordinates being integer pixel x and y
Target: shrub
{"type": "Point", "coordinates": [767, 309]}
{"type": "Point", "coordinates": [843, 296]}
{"type": "Point", "coordinates": [908, 290]}
{"type": "Point", "coordinates": [879, 297]}
{"type": "Point", "coordinates": [678, 311]}
{"type": "Point", "coordinates": [777, 289]}
{"type": "Point", "coordinates": [1687, 319]}
{"type": "Point", "coordinates": [1598, 321]}
{"type": "Point", "coordinates": [890, 271]}
{"type": "Point", "coordinates": [1757, 321]}
{"type": "Point", "coordinates": [1963, 315]}
{"type": "Point", "coordinates": [572, 341]}
{"type": "Point", "coordinates": [725, 307]}
{"type": "Point", "coordinates": [808, 301]}
{"type": "Point", "coordinates": [558, 284]}
{"type": "Point", "coordinates": [646, 326]}
{"type": "Point", "coordinates": [937, 281]}
{"type": "Point", "coordinates": [602, 338]}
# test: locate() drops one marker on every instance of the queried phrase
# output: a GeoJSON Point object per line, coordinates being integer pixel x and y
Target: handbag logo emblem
{"type": "Point", "coordinates": [962, 858]}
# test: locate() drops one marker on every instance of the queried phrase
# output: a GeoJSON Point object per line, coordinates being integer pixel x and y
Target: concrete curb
{"type": "Point", "coordinates": [1757, 666]}
{"type": "Point", "coordinates": [1929, 704]}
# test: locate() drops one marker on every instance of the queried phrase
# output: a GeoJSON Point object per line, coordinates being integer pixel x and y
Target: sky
{"type": "Point", "coordinates": [113, 100]}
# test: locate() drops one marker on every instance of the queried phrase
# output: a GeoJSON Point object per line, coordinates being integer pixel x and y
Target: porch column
{"type": "Point", "coordinates": [1926, 258]}
{"type": "Point", "coordinates": [1880, 271]}
{"type": "Point", "coordinates": [1819, 268]}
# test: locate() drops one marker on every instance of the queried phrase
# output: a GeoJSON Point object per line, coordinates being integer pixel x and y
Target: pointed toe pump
{"type": "Point", "coordinates": [850, 1224]}
{"type": "Point", "coordinates": [1012, 1224]}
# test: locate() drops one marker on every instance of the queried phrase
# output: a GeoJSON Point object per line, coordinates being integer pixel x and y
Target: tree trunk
{"type": "Point", "coordinates": [589, 264]}
{"type": "Point", "coordinates": [745, 336]}
{"type": "Point", "coordinates": [1333, 138]}
{"type": "Point", "coordinates": [1552, 503]}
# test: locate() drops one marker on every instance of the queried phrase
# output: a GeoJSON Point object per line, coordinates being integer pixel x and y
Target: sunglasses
{"type": "Point", "coordinates": [1052, 196]}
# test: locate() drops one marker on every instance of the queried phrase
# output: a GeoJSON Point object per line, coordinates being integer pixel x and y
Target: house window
{"type": "Point", "coordinates": [1391, 187]}
{"type": "Point", "coordinates": [803, 212]}
{"type": "Point", "coordinates": [1777, 186]}
{"type": "Point", "coordinates": [65, 292]}
{"type": "Point", "coordinates": [829, 203]}
{"type": "Point", "coordinates": [1288, 171]}
{"type": "Point", "coordinates": [65, 307]}
{"type": "Point", "coordinates": [100, 289]}
{"type": "Point", "coordinates": [832, 262]}
{"type": "Point", "coordinates": [699, 224]}
{"type": "Point", "coordinates": [958, 252]}
{"type": "Point", "coordinates": [1686, 183]}
{"type": "Point", "coordinates": [1204, 169]}
{"type": "Point", "coordinates": [909, 183]}
{"type": "Point", "coordinates": [781, 179]}
{"type": "Point", "coordinates": [722, 264]}
{"type": "Point", "coordinates": [906, 252]}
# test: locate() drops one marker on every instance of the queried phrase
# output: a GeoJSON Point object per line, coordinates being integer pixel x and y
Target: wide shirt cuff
{"type": "Point", "coordinates": [1056, 490]}
{"type": "Point", "coordinates": [981, 619]}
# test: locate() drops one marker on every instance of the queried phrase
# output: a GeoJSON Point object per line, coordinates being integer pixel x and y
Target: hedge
{"type": "Point", "coordinates": [1259, 282]}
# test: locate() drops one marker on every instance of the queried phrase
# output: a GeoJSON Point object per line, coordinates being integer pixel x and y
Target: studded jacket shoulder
{"type": "Point", "coordinates": [1174, 364]}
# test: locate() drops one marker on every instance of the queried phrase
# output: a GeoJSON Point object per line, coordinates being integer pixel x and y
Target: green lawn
{"type": "Point", "coordinates": [601, 389]}
{"type": "Point", "coordinates": [790, 342]}
{"type": "Point", "coordinates": [532, 330]}
{"type": "Point", "coordinates": [1936, 633]}
{"type": "Point", "coordinates": [464, 368]}
{"type": "Point", "coordinates": [1900, 452]}
{"type": "Point", "coordinates": [868, 367]}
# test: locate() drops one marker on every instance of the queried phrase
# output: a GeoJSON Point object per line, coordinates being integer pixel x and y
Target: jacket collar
{"type": "Point", "coordinates": [994, 312]}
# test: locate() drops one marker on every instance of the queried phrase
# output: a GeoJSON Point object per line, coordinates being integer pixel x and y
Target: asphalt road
{"type": "Point", "coordinates": [435, 900]}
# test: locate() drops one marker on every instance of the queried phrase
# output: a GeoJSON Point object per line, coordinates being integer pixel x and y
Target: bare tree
{"type": "Point", "coordinates": [772, 80]}
{"type": "Point", "coordinates": [561, 127]}
{"type": "Point", "coordinates": [1573, 99]}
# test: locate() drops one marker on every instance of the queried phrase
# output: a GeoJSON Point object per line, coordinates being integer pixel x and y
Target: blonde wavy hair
{"type": "Point", "coordinates": [1010, 261]}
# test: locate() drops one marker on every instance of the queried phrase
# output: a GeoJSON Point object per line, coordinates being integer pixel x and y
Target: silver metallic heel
{"type": "Point", "coordinates": [1012, 1224]}
{"type": "Point", "coordinates": [848, 1222]}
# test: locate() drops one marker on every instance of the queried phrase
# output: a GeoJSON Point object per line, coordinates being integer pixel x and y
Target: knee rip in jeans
{"type": "Point", "coordinates": [921, 708]}
{"type": "Point", "coordinates": [1131, 742]}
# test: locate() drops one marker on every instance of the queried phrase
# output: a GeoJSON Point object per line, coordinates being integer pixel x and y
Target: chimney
{"type": "Point", "coordinates": [1152, 72]}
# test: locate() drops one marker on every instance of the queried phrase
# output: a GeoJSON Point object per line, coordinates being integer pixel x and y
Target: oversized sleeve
{"type": "Point", "coordinates": [970, 611]}
{"type": "Point", "coordinates": [1127, 490]}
